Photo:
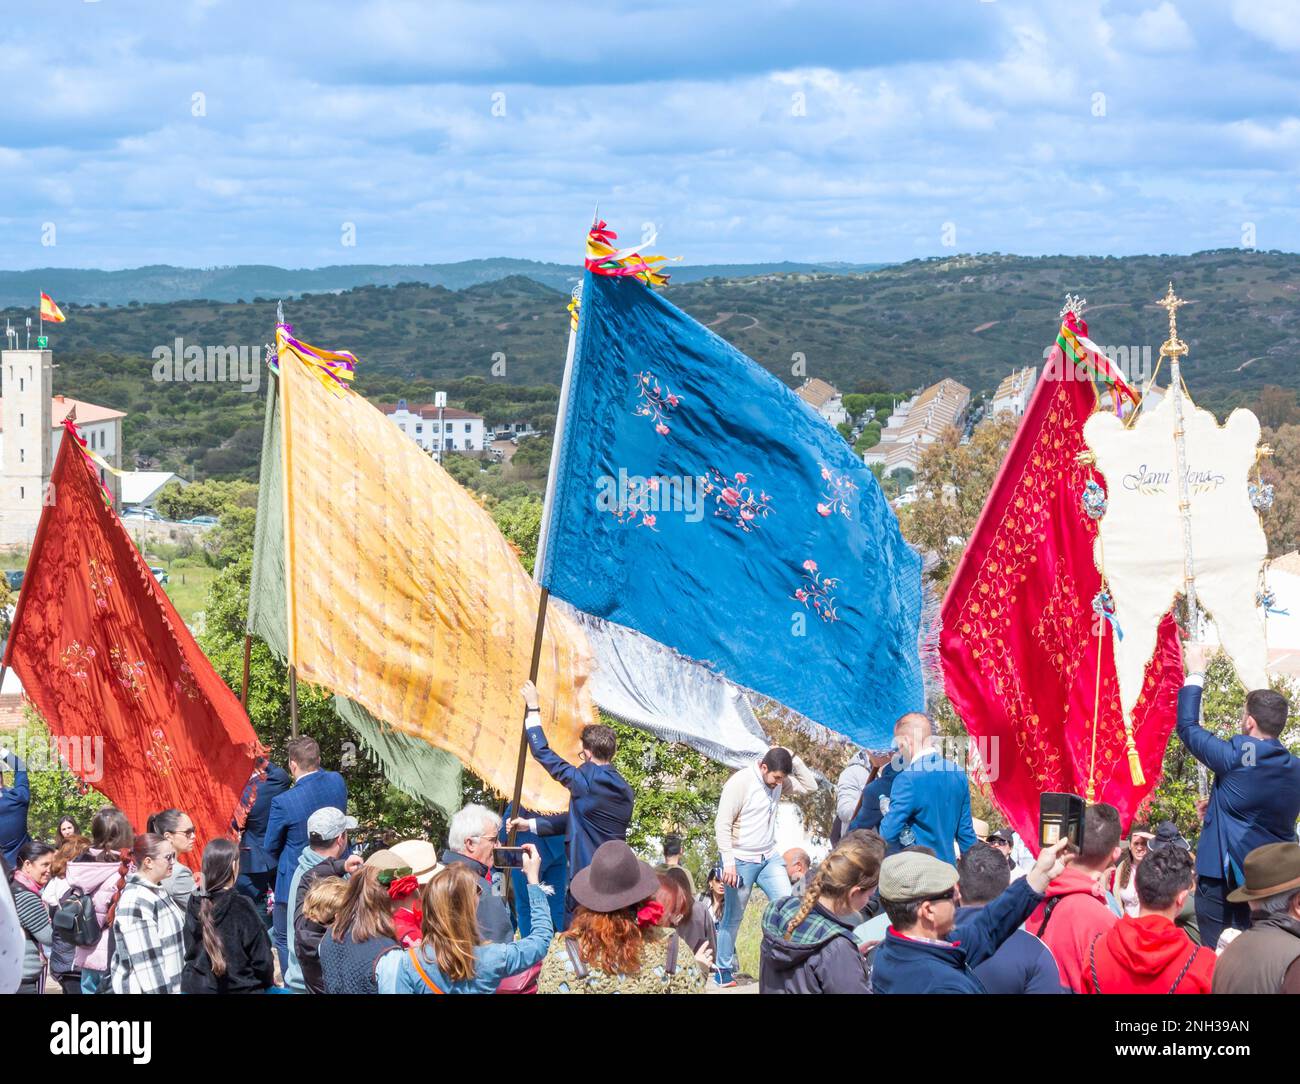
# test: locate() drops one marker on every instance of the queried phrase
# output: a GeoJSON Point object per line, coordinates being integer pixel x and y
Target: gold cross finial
{"type": "Point", "coordinates": [1173, 346]}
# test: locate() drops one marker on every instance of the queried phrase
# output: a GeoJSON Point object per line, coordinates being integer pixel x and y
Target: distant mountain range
{"type": "Point", "coordinates": [896, 329]}
{"type": "Point", "coordinates": [244, 282]}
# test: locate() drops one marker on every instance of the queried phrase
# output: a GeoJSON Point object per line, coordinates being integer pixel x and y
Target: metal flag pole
{"type": "Point", "coordinates": [1175, 349]}
{"type": "Point", "coordinates": [548, 508]}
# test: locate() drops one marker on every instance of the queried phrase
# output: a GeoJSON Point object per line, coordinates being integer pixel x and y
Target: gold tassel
{"type": "Point", "coordinates": [1134, 763]}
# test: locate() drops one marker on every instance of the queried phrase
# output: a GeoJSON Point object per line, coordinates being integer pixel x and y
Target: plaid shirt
{"type": "Point", "coordinates": [149, 934]}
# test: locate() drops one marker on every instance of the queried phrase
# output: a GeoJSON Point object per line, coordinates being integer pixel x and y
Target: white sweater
{"type": "Point", "coordinates": [746, 824]}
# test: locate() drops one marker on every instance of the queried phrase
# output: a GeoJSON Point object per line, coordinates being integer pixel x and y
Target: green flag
{"type": "Point", "coordinates": [426, 773]}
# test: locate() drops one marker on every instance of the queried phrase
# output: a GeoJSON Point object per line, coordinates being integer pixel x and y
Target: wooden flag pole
{"type": "Point", "coordinates": [523, 733]}
{"type": "Point", "coordinates": [539, 563]}
{"type": "Point", "coordinates": [286, 454]}
{"type": "Point", "coordinates": [243, 689]}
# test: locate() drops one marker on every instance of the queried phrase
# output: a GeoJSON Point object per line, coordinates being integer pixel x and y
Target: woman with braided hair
{"type": "Point", "coordinates": [101, 873]}
{"type": "Point", "coordinates": [227, 949]}
{"type": "Point", "coordinates": [808, 945]}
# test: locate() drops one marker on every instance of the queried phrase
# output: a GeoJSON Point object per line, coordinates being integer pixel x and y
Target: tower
{"type": "Point", "coordinates": [25, 385]}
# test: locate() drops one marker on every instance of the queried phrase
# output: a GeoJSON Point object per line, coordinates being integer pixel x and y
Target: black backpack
{"type": "Point", "coordinates": [74, 918]}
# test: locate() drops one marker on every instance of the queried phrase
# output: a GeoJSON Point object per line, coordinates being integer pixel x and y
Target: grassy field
{"type": "Point", "coordinates": [187, 586]}
{"type": "Point", "coordinates": [751, 933]}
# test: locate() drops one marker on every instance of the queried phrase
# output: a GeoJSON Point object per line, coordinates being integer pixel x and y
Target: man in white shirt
{"type": "Point", "coordinates": [746, 837]}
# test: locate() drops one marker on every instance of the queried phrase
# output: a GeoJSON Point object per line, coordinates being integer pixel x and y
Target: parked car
{"type": "Point", "coordinates": [159, 574]}
{"type": "Point", "coordinates": [203, 521]}
{"type": "Point", "coordinates": [142, 513]}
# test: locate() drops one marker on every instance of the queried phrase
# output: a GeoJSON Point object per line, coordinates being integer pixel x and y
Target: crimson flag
{"type": "Point", "coordinates": [114, 672]}
{"type": "Point", "coordinates": [1019, 641]}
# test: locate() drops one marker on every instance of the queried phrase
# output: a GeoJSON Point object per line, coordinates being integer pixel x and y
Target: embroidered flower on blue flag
{"type": "Point", "coordinates": [702, 503]}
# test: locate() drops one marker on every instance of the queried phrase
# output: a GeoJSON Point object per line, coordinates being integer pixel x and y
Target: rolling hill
{"type": "Point", "coordinates": [892, 329]}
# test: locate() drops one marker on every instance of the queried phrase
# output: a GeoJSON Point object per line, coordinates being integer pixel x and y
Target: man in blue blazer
{"type": "Point", "coordinates": [1255, 798]}
{"type": "Point", "coordinates": [601, 803]}
{"type": "Point", "coordinates": [256, 867]}
{"type": "Point", "coordinates": [929, 804]}
{"type": "Point", "coordinates": [286, 824]}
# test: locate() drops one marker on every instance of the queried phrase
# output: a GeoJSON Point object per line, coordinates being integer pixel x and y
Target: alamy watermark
{"type": "Point", "coordinates": [81, 754]}
{"type": "Point", "coordinates": [634, 496]}
{"type": "Point", "coordinates": [195, 364]}
{"type": "Point", "coordinates": [1134, 363]}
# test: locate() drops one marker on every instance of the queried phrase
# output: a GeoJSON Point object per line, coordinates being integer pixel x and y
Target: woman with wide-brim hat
{"type": "Point", "coordinates": [614, 943]}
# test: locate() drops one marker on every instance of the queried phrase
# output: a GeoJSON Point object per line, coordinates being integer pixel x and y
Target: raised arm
{"type": "Point", "coordinates": [800, 780]}
{"type": "Point", "coordinates": [559, 769]}
{"type": "Point", "coordinates": [1215, 753]}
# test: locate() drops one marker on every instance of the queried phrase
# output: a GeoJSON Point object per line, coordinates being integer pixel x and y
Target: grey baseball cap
{"type": "Point", "coordinates": [329, 822]}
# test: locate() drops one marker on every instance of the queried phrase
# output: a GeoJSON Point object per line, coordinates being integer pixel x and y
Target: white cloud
{"type": "Point", "coordinates": [1274, 22]}
{"type": "Point", "coordinates": [1159, 30]}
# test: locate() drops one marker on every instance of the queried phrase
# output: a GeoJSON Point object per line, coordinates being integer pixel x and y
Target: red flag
{"type": "Point", "coordinates": [1019, 643]}
{"type": "Point", "coordinates": [104, 655]}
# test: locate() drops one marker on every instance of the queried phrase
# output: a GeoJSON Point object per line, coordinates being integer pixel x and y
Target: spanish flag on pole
{"type": "Point", "coordinates": [50, 311]}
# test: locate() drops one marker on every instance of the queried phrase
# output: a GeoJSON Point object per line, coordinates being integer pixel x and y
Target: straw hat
{"type": "Point", "coordinates": [420, 855]}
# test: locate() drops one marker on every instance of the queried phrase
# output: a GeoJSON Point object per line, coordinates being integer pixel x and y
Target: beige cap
{"type": "Point", "coordinates": [981, 828]}
{"type": "Point", "coordinates": [913, 876]}
{"type": "Point", "coordinates": [386, 859]}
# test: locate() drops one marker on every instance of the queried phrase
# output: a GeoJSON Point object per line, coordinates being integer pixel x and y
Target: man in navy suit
{"type": "Point", "coordinates": [1255, 798]}
{"type": "Point", "coordinates": [286, 824]}
{"type": "Point", "coordinates": [601, 803]}
{"type": "Point", "coordinates": [256, 867]}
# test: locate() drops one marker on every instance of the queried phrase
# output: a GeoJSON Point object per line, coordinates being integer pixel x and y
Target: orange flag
{"type": "Point", "coordinates": [404, 596]}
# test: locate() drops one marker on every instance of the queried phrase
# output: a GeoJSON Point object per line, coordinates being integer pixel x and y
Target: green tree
{"type": "Point", "coordinates": [56, 792]}
{"type": "Point", "coordinates": [520, 520]}
{"type": "Point", "coordinates": [856, 404]}
{"type": "Point", "coordinates": [211, 498]}
{"type": "Point", "coordinates": [953, 482]}
{"type": "Point", "coordinates": [676, 790]}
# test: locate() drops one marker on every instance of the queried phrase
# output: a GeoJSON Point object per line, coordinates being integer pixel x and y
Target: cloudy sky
{"type": "Point", "coordinates": [226, 131]}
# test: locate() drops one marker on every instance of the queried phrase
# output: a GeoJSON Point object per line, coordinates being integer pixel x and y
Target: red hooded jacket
{"type": "Point", "coordinates": [1147, 955]}
{"type": "Point", "coordinates": [1080, 915]}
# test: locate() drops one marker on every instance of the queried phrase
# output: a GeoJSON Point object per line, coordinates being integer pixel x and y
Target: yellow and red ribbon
{"type": "Point", "coordinates": [604, 259]}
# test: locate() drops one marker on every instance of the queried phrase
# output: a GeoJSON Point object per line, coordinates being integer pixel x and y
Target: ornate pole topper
{"type": "Point", "coordinates": [1174, 349]}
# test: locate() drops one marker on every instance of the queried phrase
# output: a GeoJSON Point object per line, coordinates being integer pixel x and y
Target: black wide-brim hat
{"type": "Point", "coordinates": [616, 879]}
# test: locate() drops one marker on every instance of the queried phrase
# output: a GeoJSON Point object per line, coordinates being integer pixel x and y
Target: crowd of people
{"type": "Point", "coordinates": [915, 896]}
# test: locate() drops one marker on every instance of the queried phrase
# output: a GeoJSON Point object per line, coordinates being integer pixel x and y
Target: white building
{"type": "Point", "coordinates": [448, 429]}
{"type": "Point", "coordinates": [918, 423]}
{"type": "Point", "coordinates": [31, 427]}
{"type": "Point", "coordinates": [140, 488]}
{"type": "Point", "coordinates": [1013, 393]}
{"type": "Point", "coordinates": [824, 399]}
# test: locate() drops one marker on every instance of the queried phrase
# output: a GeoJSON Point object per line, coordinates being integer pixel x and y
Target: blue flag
{"type": "Point", "coordinates": [702, 503]}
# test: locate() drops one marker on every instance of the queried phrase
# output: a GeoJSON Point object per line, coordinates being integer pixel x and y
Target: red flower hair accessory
{"type": "Point", "coordinates": [403, 886]}
{"type": "Point", "coordinates": [650, 914]}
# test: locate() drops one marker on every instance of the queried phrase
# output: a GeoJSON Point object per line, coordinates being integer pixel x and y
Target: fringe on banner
{"type": "Point", "coordinates": [927, 647]}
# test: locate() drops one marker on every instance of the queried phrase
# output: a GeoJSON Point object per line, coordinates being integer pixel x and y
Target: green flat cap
{"type": "Point", "coordinates": [912, 876]}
